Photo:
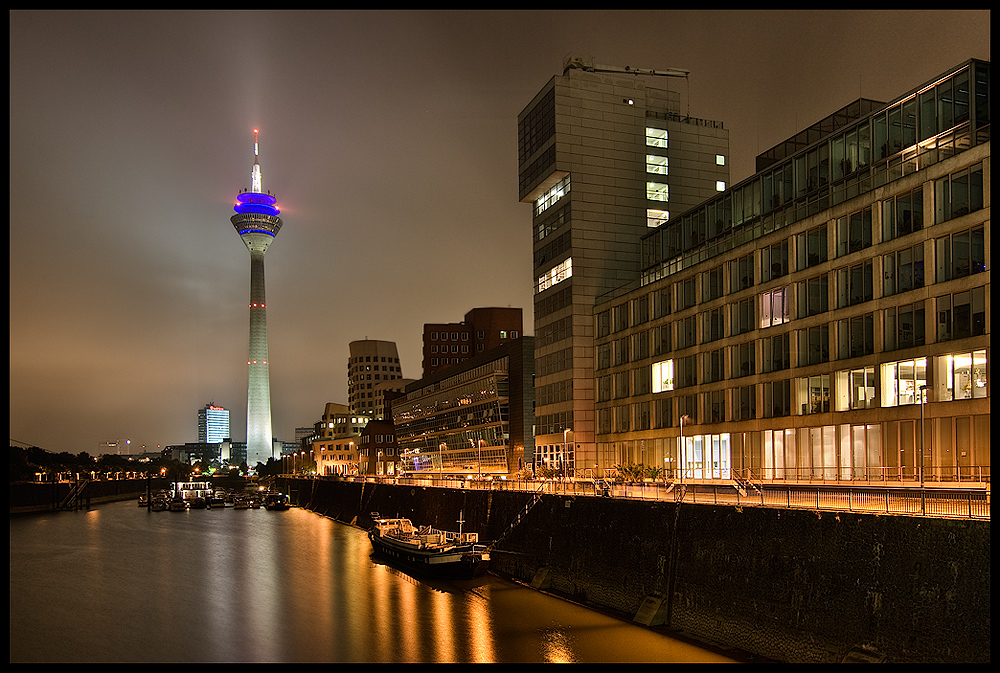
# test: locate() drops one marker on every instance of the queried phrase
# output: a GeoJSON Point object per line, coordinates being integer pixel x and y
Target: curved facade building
{"type": "Point", "coordinates": [371, 362]}
{"type": "Point", "coordinates": [257, 222]}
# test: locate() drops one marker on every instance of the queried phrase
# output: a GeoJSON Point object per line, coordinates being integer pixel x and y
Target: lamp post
{"type": "Point", "coordinates": [923, 395]}
{"type": "Point", "coordinates": [562, 461]}
{"type": "Point", "coordinates": [683, 464]}
{"type": "Point", "coordinates": [441, 461]}
{"type": "Point", "coordinates": [480, 460]}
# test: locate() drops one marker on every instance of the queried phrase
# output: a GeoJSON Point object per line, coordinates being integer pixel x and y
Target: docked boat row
{"type": "Point", "coordinates": [429, 551]}
{"type": "Point", "coordinates": [199, 495]}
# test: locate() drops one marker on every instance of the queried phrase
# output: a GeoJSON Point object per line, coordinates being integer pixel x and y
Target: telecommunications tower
{"type": "Point", "coordinates": [257, 222]}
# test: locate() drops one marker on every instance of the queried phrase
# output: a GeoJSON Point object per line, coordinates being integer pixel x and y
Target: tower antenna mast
{"type": "Point", "coordinates": [255, 180]}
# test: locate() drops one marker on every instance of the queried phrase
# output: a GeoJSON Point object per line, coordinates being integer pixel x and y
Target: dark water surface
{"type": "Point", "coordinates": [121, 584]}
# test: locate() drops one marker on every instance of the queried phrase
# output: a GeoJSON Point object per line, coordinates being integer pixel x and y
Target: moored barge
{"type": "Point", "coordinates": [429, 551]}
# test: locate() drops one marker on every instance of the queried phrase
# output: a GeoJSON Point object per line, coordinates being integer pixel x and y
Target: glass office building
{"type": "Point", "coordinates": [213, 424]}
{"type": "Point", "coordinates": [473, 418]}
{"type": "Point", "coordinates": [826, 319]}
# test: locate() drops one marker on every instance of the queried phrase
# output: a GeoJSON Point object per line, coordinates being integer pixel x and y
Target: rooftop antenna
{"type": "Point", "coordinates": [579, 63]}
{"type": "Point", "coordinates": [255, 181]}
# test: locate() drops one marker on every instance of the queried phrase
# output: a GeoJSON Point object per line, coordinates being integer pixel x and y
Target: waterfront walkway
{"type": "Point", "coordinates": [967, 502]}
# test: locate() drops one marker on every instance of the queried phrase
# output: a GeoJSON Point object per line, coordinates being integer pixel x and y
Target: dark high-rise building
{"type": "Point", "coordinates": [605, 154]}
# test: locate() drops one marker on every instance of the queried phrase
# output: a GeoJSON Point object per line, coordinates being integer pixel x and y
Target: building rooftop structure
{"type": "Point", "coordinates": [447, 344]}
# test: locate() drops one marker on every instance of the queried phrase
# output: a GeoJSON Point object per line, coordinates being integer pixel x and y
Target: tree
{"type": "Point", "coordinates": [654, 472]}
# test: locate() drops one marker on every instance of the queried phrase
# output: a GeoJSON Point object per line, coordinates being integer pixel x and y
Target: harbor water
{"type": "Point", "coordinates": [118, 583]}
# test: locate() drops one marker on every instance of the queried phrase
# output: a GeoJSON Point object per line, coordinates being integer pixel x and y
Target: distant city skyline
{"type": "Point", "coordinates": [395, 128]}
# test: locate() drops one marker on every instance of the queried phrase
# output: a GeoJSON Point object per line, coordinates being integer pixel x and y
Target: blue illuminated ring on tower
{"type": "Point", "coordinates": [256, 231]}
{"type": "Point", "coordinates": [252, 202]}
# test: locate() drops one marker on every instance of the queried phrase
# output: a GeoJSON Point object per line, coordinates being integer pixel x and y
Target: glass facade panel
{"type": "Point", "coordinates": [901, 382]}
{"type": "Point", "coordinates": [663, 376]}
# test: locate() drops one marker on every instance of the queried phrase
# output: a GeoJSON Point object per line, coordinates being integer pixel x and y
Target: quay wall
{"type": "Point", "coordinates": [46, 496]}
{"type": "Point", "coordinates": [784, 585]}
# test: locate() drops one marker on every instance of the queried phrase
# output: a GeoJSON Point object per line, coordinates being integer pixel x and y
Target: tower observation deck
{"type": "Point", "coordinates": [257, 222]}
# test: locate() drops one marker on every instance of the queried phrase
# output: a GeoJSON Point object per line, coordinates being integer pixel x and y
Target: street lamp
{"type": "Point", "coordinates": [923, 395]}
{"type": "Point", "coordinates": [683, 464]}
{"type": "Point", "coordinates": [562, 461]}
{"type": "Point", "coordinates": [441, 461]}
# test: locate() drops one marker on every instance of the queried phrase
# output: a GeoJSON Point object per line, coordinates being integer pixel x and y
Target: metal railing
{"type": "Point", "coordinates": [905, 499]}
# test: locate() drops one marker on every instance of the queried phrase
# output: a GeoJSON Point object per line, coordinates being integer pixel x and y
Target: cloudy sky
{"type": "Point", "coordinates": [390, 140]}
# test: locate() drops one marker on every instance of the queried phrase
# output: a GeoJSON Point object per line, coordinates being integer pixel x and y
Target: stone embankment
{"type": "Point", "coordinates": [785, 585]}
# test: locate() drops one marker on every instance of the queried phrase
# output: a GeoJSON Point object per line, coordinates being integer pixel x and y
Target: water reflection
{"type": "Point", "coordinates": [121, 584]}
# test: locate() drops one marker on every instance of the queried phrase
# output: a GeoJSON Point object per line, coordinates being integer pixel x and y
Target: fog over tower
{"type": "Point", "coordinates": [257, 222]}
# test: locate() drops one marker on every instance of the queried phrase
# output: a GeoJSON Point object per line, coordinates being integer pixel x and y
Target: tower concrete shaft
{"type": "Point", "coordinates": [257, 222]}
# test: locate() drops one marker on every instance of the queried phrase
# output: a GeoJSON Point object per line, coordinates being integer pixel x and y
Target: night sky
{"type": "Point", "coordinates": [390, 140]}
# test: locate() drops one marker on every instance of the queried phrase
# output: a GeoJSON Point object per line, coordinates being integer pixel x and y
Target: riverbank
{"type": "Point", "coordinates": [49, 496]}
{"type": "Point", "coordinates": [31, 497]}
{"type": "Point", "coordinates": [787, 585]}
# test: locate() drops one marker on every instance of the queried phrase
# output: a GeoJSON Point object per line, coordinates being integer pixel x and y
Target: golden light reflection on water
{"type": "Point", "coordinates": [258, 586]}
{"type": "Point", "coordinates": [480, 626]}
{"type": "Point", "coordinates": [556, 647]}
{"type": "Point", "coordinates": [429, 622]}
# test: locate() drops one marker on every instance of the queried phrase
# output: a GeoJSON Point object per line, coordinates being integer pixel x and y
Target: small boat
{"type": "Point", "coordinates": [241, 503]}
{"type": "Point", "coordinates": [178, 505]}
{"type": "Point", "coordinates": [276, 501]}
{"type": "Point", "coordinates": [429, 551]}
{"type": "Point", "coordinates": [158, 505]}
{"type": "Point", "coordinates": [143, 500]}
{"type": "Point", "coordinates": [199, 503]}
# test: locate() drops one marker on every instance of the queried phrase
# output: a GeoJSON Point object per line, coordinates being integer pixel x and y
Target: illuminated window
{"type": "Point", "coordinates": [551, 196]}
{"type": "Point", "coordinates": [656, 137]}
{"type": "Point", "coordinates": [720, 160]}
{"type": "Point", "coordinates": [656, 164]}
{"type": "Point", "coordinates": [774, 307]}
{"type": "Point", "coordinates": [657, 191]}
{"type": "Point", "coordinates": [961, 376]}
{"type": "Point", "coordinates": [720, 186]}
{"type": "Point", "coordinates": [655, 218]}
{"type": "Point", "coordinates": [556, 274]}
{"type": "Point", "coordinates": [663, 376]}
{"type": "Point", "coordinates": [901, 382]}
